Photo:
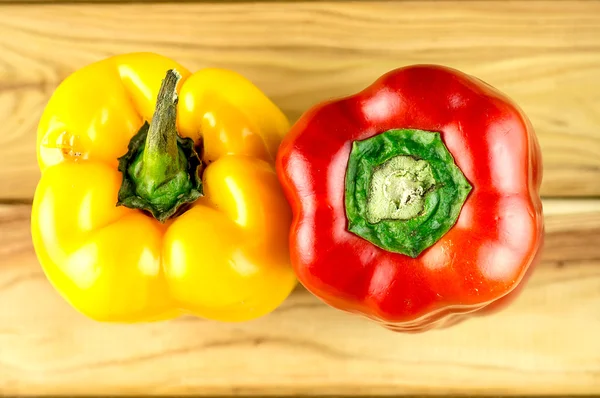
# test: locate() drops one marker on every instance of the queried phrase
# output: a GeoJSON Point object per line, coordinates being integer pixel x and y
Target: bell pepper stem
{"type": "Point", "coordinates": [403, 190]}
{"type": "Point", "coordinates": [161, 170]}
{"type": "Point", "coordinates": [398, 189]}
{"type": "Point", "coordinates": [161, 153]}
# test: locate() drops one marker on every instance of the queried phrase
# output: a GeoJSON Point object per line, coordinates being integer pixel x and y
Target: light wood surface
{"type": "Point", "coordinates": [544, 54]}
{"type": "Point", "coordinates": [546, 343]}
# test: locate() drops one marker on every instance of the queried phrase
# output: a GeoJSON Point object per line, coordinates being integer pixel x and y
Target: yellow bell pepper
{"type": "Point", "coordinates": [158, 194]}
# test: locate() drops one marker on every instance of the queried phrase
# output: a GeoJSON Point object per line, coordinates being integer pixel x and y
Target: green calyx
{"type": "Point", "coordinates": [403, 190]}
{"type": "Point", "coordinates": [161, 170]}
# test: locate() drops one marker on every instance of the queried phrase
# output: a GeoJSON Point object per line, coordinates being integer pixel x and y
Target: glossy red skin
{"type": "Point", "coordinates": [481, 264]}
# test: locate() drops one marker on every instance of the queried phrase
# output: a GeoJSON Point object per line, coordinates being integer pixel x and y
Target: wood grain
{"type": "Point", "coordinates": [544, 54]}
{"type": "Point", "coordinates": [545, 343]}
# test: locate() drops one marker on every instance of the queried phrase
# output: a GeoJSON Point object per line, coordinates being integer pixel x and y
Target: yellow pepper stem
{"type": "Point", "coordinates": [161, 171]}
{"type": "Point", "coordinates": [161, 157]}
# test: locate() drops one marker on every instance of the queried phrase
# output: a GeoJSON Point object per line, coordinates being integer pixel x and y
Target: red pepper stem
{"type": "Point", "coordinates": [403, 190]}
{"type": "Point", "coordinates": [398, 189]}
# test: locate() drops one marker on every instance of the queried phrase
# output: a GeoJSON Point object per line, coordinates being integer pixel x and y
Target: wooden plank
{"type": "Point", "coordinates": [143, 1]}
{"type": "Point", "coordinates": [187, 1]}
{"type": "Point", "coordinates": [149, 1]}
{"type": "Point", "coordinates": [544, 54]}
{"type": "Point", "coordinates": [545, 343]}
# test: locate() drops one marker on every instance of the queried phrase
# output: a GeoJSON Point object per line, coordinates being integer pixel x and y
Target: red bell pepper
{"type": "Point", "coordinates": [416, 201]}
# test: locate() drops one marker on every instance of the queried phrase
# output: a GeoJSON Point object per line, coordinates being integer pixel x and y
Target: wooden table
{"type": "Point", "coordinates": [544, 54]}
